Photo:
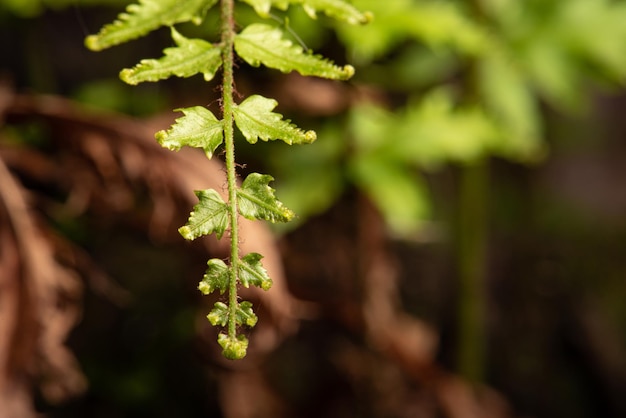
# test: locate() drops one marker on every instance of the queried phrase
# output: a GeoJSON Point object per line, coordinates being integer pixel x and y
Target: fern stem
{"type": "Point", "coordinates": [228, 37]}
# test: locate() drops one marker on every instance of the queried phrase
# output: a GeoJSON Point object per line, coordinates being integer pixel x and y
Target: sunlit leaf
{"type": "Point", "coordinates": [216, 277]}
{"type": "Point", "coordinates": [190, 57]}
{"type": "Point", "coordinates": [146, 16]}
{"type": "Point", "coordinates": [263, 44]}
{"type": "Point", "coordinates": [256, 200]}
{"type": "Point", "coordinates": [199, 128]}
{"type": "Point", "coordinates": [255, 119]}
{"type": "Point", "coordinates": [209, 216]}
{"type": "Point", "coordinates": [251, 272]}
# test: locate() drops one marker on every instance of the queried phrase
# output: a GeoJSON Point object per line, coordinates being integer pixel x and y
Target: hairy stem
{"type": "Point", "coordinates": [228, 37]}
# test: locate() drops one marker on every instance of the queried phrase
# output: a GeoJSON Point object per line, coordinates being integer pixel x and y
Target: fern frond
{"type": "Point", "coordinates": [199, 128]}
{"type": "Point", "coordinates": [255, 119]}
{"type": "Point", "coordinates": [190, 57]}
{"type": "Point", "coordinates": [251, 272]}
{"type": "Point", "coordinates": [209, 216]}
{"type": "Point", "coordinates": [264, 44]}
{"type": "Point", "coordinates": [257, 201]}
{"type": "Point", "coordinates": [146, 16]}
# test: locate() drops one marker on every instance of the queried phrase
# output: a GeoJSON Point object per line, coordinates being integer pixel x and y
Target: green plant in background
{"type": "Point", "coordinates": [473, 76]}
{"type": "Point", "coordinates": [517, 56]}
{"type": "Point", "coordinates": [257, 44]}
{"type": "Point", "coordinates": [521, 54]}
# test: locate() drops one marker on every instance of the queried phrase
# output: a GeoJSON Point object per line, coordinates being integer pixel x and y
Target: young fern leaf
{"type": "Point", "coordinates": [190, 57]}
{"type": "Point", "coordinates": [199, 128]}
{"type": "Point", "coordinates": [219, 314]}
{"type": "Point", "coordinates": [215, 278]}
{"type": "Point", "coordinates": [146, 16]}
{"type": "Point", "coordinates": [244, 315]}
{"type": "Point", "coordinates": [264, 44]}
{"type": "Point", "coordinates": [251, 272]}
{"type": "Point", "coordinates": [256, 200]}
{"type": "Point", "coordinates": [209, 216]}
{"type": "Point", "coordinates": [233, 348]}
{"type": "Point", "coordinates": [255, 119]}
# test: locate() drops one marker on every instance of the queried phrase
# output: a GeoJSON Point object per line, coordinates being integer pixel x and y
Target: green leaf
{"type": "Point", "coordinates": [146, 16]}
{"type": "Point", "coordinates": [256, 200]}
{"type": "Point", "coordinates": [233, 348]}
{"type": "Point", "coordinates": [190, 57]}
{"type": "Point", "coordinates": [255, 119]}
{"type": "Point", "coordinates": [216, 277]}
{"type": "Point", "coordinates": [219, 314]}
{"type": "Point", "coordinates": [251, 272]}
{"type": "Point", "coordinates": [244, 314]}
{"type": "Point", "coordinates": [263, 44]}
{"type": "Point", "coordinates": [209, 216]}
{"type": "Point", "coordinates": [199, 128]}
{"type": "Point", "coordinates": [337, 9]}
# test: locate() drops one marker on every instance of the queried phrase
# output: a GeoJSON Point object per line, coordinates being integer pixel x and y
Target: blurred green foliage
{"type": "Point", "coordinates": [519, 55]}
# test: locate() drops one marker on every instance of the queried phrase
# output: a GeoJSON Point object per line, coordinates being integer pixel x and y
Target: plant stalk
{"type": "Point", "coordinates": [472, 249]}
{"type": "Point", "coordinates": [472, 244]}
{"type": "Point", "coordinates": [228, 37]}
